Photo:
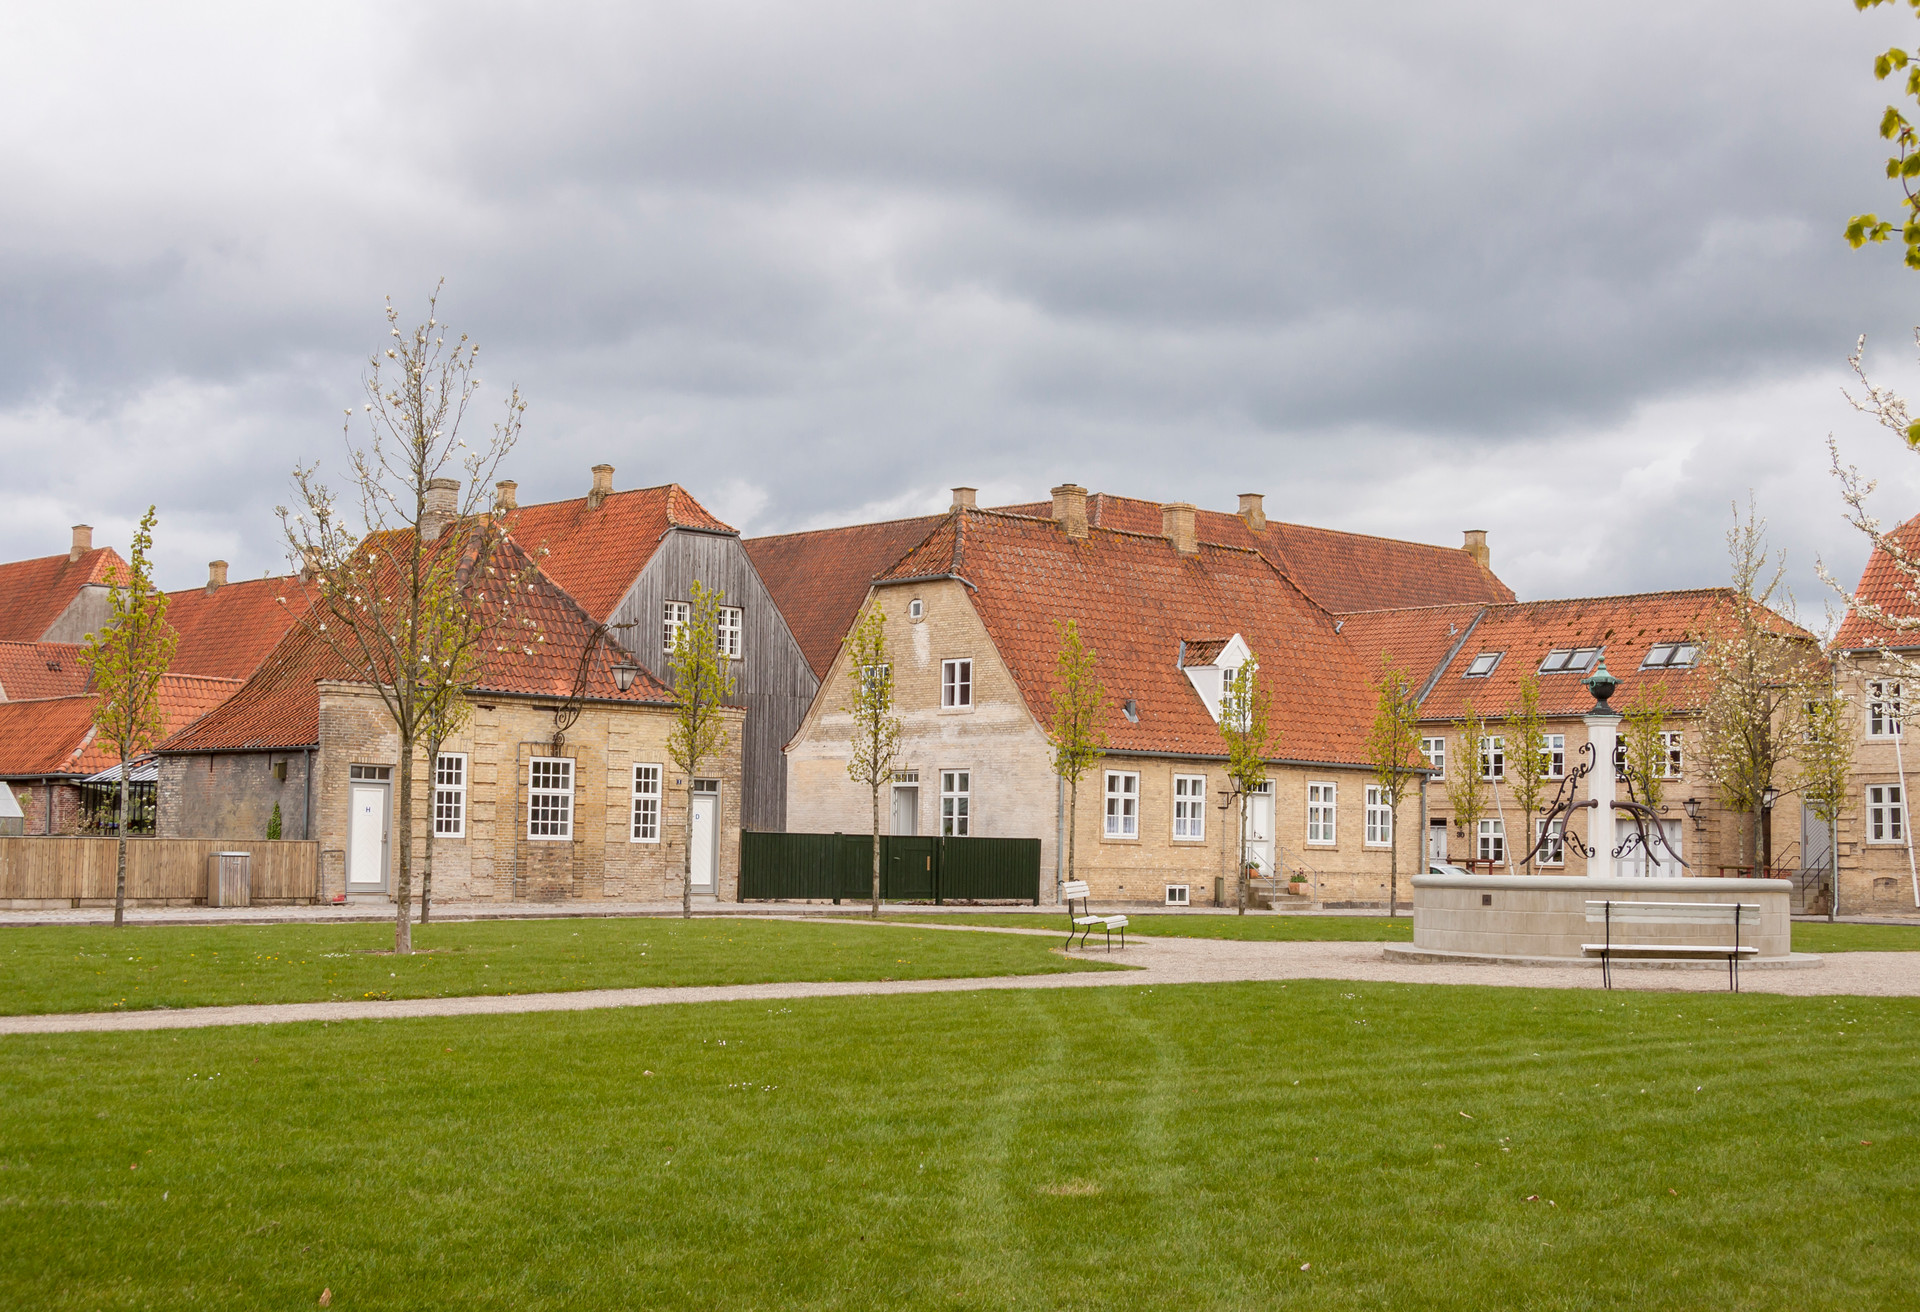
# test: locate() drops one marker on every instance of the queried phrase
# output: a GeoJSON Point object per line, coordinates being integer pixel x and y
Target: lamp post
{"type": "Point", "coordinates": [1603, 732]}
{"type": "Point", "coordinates": [1768, 796]}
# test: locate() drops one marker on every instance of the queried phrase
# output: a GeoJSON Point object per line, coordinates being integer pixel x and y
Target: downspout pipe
{"type": "Point", "coordinates": [1906, 817]}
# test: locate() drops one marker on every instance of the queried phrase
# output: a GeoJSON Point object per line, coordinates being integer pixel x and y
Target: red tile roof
{"type": "Point", "coordinates": [1342, 571]}
{"type": "Point", "coordinates": [280, 705]}
{"type": "Point", "coordinates": [1625, 627]}
{"type": "Point", "coordinates": [1135, 598]}
{"type": "Point", "coordinates": [1884, 587]}
{"type": "Point", "coordinates": [819, 579]}
{"type": "Point", "coordinates": [1417, 640]}
{"type": "Point", "coordinates": [597, 554]}
{"type": "Point", "coordinates": [229, 631]}
{"type": "Point", "coordinates": [35, 593]}
{"type": "Point", "coordinates": [30, 670]}
{"type": "Point", "coordinates": [57, 737]}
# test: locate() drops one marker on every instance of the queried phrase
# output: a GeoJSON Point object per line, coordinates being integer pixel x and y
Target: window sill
{"type": "Point", "coordinates": [1312, 843]}
{"type": "Point", "coordinates": [1120, 838]}
{"type": "Point", "coordinates": [1190, 842]}
{"type": "Point", "coordinates": [956, 710]}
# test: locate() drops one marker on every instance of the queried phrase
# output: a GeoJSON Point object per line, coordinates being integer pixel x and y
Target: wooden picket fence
{"type": "Point", "coordinates": [170, 870]}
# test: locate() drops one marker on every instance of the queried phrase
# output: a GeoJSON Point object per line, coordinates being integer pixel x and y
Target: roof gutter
{"type": "Point", "coordinates": [925, 578]}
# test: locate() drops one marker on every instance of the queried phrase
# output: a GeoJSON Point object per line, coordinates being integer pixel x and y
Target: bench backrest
{"type": "Point", "coordinates": [1074, 888]}
{"type": "Point", "coordinates": [1674, 913]}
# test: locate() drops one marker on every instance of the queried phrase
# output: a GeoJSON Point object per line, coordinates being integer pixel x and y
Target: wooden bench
{"type": "Point", "coordinates": [1082, 924]}
{"type": "Point", "coordinates": [1732, 914]}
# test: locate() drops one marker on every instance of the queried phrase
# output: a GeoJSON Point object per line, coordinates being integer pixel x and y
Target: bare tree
{"type": "Point", "coordinates": [876, 730]}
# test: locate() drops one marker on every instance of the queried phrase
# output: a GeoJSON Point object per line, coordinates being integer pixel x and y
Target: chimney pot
{"type": "Point", "coordinates": [1176, 525]}
{"type": "Point", "coordinates": [1070, 509]}
{"type": "Point", "coordinates": [443, 503]}
{"type": "Point", "coordinates": [82, 541]}
{"type": "Point", "coordinates": [963, 498]}
{"type": "Point", "coordinates": [1476, 546]}
{"type": "Point", "coordinates": [1252, 509]}
{"type": "Point", "coordinates": [602, 486]}
{"type": "Point", "coordinates": [505, 495]}
{"type": "Point", "coordinates": [216, 576]}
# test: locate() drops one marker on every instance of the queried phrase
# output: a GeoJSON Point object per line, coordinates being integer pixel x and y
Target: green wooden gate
{"type": "Point", "coordinates": [912, 869]}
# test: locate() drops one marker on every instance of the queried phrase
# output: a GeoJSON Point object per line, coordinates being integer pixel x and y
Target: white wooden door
{"type": "Point", "coordinates": [1437, 841]}
{"type": "Point", "coordinates": [905, 819]}
{"type": "Point", "coordinates": [706, 850]}
{"type": "Point", "coordinates": [1260, 830]}
{"type": "Point", "coordinates": [367, 836]}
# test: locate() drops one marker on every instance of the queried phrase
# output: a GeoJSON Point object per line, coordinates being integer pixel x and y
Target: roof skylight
{"type": "Point", "coordinates": [1569, 660]}
{"type": "Point", "coordinates": [1671, 656]}
{"type": "Point", "coordinates": [1482, 665]}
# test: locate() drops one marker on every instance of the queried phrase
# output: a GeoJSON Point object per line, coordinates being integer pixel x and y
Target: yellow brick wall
{"type": "Point", "coordinates": [1874, 877]}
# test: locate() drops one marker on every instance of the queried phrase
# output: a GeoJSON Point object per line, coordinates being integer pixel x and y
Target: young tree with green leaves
{"type": "Point", "coordinates": [1243, 724]}
{"type": "Point", "coordinates": [1528, 760]}
{"type": "Point", "coordinates": [702, 683]}
{"type": "Point", "coordinates": [876, 730]}
{"type": "Point", "coordinates": [415, 568]}
{"type": "Point", "coordinates": [125, 663]}
{"type": "Point", "coordinates": [1826, 762]}
{"type": "Point", "coordinates": [1644, 737]}
{"type": "Point", "coordinates": [1393, 745]}
{"type": "Point", "coordinates": [1467, 786]}
{"type": "Point", "coordinates": [1079, 722]}
{"type": "Point", "coordinates": [1904, 167]}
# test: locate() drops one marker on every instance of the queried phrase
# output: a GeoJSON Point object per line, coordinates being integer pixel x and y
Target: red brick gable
{"type": "Point", "coordinates": [1135, 599]}
{"type": "Point", "coordinates": [819, 579]}
{"type": "Point", "coordinates": [35, 593]}
{"type": "Point", "coordinates": [229, 631]}
{"type": "Point", "coordinates": [57, 736]}
{"type": "Point", "coordinates": [595, 555]}
{"type": "Point", "coordinates": [1341, 571]}
{"type": "Point", "coordinates": [280, 704]}
{"type": "Point", "coordinates": [1883, 585]}
{"type": "Point", "coordinates": [32, 670]}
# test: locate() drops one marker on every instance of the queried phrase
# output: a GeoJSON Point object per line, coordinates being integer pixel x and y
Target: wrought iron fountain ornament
{"type": "Point", "coordinates": [1602, 685]}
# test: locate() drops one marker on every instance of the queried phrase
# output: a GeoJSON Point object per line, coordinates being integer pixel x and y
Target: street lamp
{"type": "Point", "coordinates": [1693, 811]}
{"type": "Point", "coordinates": [624, 674]}
{"type": "Point", "coordinates": [1768, 796]}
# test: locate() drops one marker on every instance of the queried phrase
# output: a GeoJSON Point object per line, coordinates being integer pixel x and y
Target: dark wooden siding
{"type": "Point", "coordinates": [772, 679]}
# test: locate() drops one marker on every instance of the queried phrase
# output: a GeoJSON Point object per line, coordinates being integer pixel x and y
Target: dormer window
{"type": "Point", "coordinates": [1569, 660]}
{"type": "Point", "coordinates": [1671, 656]}
{"type": "Point", "coordinates": [1483, 664]}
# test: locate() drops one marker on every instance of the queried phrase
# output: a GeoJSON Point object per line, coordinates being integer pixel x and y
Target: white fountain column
{"type": "Point", "coordinates": [1603, 731]}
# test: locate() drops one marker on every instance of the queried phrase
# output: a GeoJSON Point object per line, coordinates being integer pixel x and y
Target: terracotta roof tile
{"type": "Point", "coordinates": [229, 631]}
{"type": "Point", "coordinates": [1883, 585]}
{"type": "Point", "coordinates": [597, 554]}
{"type": "Point", "coordinates": [35, 593]}
{"type": "Point", "coordinates": [1341, 571]}
{"type": "Point", "coordinates": [819, 579]}
{"type": "Point", "coordinates": [30, 670]}
{"type": "Point", "coordinates": [1417, 639]}
{"type": "Point", "coordinates": [1135, 598]}
{"type": "Point", "coordinates": [56, 736]}
{"type": "Point", "coordinates": [280, 704]}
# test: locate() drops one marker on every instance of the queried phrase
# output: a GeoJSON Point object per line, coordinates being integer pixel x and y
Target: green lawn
{"type": "Point", "coordinates": [1817, 936]}
{"type": "Point", "coordinates": [1345, 929]}
{"type": "Point", "coordinates": [1312, 1145]}
{"type": "Point", "coordinates": [70, 968]}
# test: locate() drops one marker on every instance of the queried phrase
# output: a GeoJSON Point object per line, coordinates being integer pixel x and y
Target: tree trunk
{"type": "Point", "coordinates": [1073, 823]}
{"type": "Point", "coordinates": [875, 913]}
{"type": "Point", "coordinates": [1393, 866]}
{"type": "Point", "coordinates": [1240, 875]}
{"type": "Point", "coordinates": [120, 869]}
{"type": "Point", "coordinates": [686, 880]}
{"type": "Point", "coordinates": [403, 884]}
{"type": "Point", "coordinates": [1833, 858]}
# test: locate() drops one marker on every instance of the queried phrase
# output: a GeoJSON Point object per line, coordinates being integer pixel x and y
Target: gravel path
{"type": "Point", "coordinates": [1156, 961]}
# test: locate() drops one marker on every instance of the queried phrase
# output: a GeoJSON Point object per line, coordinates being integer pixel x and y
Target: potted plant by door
{"type": "Point", "coordinates": [1297, 883]}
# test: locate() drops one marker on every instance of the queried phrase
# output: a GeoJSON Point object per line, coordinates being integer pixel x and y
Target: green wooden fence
{"type": "Point", "coordinates": [912, 869]}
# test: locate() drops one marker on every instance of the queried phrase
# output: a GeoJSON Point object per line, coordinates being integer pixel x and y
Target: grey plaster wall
{"type": "Point", "coordinates": [232, 795]}
{"type": "Point", "coordinates": [88, 612]}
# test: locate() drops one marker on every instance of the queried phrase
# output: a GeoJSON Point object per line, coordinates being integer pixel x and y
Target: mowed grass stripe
{"type": "Point", "coordinates": [1189, 1146]}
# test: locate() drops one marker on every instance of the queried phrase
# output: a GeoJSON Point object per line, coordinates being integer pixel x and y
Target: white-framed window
{"type": "Point", "coordinates": [550, 798]}
{"type": "Point", "coordinates": [646, 803]}
{"type": "Point", "coordinates": [1670, 656]}
{"type": "Point", "coordinates": [1569, 660]}
{"type": "Point", "coordinates": [1493, 840]}
{"type": "Point", "coordinates": [1555, 752]}
{"type": "Point", "coordinates": [1886, 709]}
{"type": "Point", "coordinates": [1886, 814]}
{"type": "Point", "coordinates": [1321, 814]}
{"type": "Point", "coordinates": [956, 684]}
{"type": "Point", "coordinates": [371, 772]}
{"type": "Point", "coordinates": [1619, 758]}
{"type": "Point", "coordinates": [726, 631]}
{"type": "Point", "coordinates": [1379, 819]}
{"type": "Point", "coordinates": [1435, 750]}
{"type": "Point", "coordinates": [1493, 758]}
{"type": "Point", "coordinates": [1483, 664]}
{"type": "Point", "coordinates": [1123, 804]}
{"type": "Point", "coordinates": [450, 795]}
{"type": "Point", "coordinates": [1670, 761]}
{"type": "Point", "coordinates": [1190, 806]}
{"type": "Point", "coordinates": [916, 609]}
{"type": "Point", "coordinates": [673, 616]}
{"type": "Point", "coordinates": [1553, 852]}
{"type": "Point", "coordinates": [956, 803]}
{"type": "Point", "coordinates": [1177, 895]}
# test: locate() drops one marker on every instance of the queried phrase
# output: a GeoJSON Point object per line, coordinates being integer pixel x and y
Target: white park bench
{"type": "Point", "coordinates": [1731, 914]}
{"type": "Point", "coordinates": [1082, 924]}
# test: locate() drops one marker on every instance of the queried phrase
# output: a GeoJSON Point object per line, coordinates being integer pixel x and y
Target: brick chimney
{"type": "Point", "coordinates": [216, 576]}
{"type": "Point", "coordinates": [443, 503]}
{"type": "Point", "coordinates": [1070, 509]}
{"type": "Point", "coordinates": [1252, 510]}
{"type": "Point", "coordinates": [1476, 546]}
{"type": "Point", "coordinates": [82, 541]}
{"type": "Point", "coordinates": [602, 486]}
{"type": "Point", "coordinates": [1176, 525]}
{"type": "Point", "coordinates": [963, 499]}
{"type": "Point", "coordinates": [505, 495]}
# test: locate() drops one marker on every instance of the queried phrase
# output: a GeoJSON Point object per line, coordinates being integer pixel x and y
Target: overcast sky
{"type": "Point", "coordinates": [1571, 273]}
